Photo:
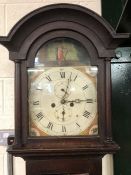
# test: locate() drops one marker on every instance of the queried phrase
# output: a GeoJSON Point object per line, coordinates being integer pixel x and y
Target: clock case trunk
{"type": "Point", "coordinates": [62, 155]}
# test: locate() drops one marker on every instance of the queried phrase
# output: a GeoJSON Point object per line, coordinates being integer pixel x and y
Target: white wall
{"type": "Point", "coordinates": [11, 11]}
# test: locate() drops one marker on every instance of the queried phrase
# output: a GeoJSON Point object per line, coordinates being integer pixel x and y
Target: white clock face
{"type": "Point", "coordinates": [63, 101]}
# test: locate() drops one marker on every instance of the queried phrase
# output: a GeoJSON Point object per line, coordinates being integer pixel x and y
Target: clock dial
{"type": "Point", "coordinates": [63, 101]}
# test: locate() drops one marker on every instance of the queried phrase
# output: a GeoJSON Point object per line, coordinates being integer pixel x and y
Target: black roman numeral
{"type": "Point", "coordinates": [85, 87]}
{"type": "Point", "coordinates": [78, 125]}
{"type": "Point", "coordinates": [50, 125]}
{"type": "Point", "coordinates": [39, 116]}
{"type": "Point", "coordinates": [86, 114]}
{"type": "Point", "coordinates": [48, 78]}
{"type": "Point", "coordinates": [62, 74]}
{"type": "Point", "coordinates": [73, 78]}
{"type": "Point", "coordinates": [36, 102]}
{"type": "Point", "coordinates": [89, 101]}
{"type": "Point", "coordinates": [63, 129]}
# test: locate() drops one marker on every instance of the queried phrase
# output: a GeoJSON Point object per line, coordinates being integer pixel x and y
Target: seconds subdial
{"type": "Point", "coordinates": [61, 89]}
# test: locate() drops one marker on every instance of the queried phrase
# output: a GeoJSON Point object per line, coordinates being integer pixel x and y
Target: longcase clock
{"type": "Point", "coordinates": [62, 57]}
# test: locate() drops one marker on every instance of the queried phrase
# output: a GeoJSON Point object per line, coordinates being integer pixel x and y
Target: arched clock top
{"type": "Point", "coordinates": [62, 17]}
{"type": "Point", "coordinates": [72, 44]}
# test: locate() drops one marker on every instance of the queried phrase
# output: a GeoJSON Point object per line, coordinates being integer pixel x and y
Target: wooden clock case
{"type": "Point", "coordinates": [62, 155]}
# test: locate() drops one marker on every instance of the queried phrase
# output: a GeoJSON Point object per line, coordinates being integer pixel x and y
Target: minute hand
{"type": "Point", "coordinates": [79, 101]}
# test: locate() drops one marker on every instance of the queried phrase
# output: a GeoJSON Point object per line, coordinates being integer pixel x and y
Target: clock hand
{"type": "Point", "coordinates": [63, 113]}
{"type": "Point", "coordinates": [64, 91]}
{"type": "Point", "coordinates": [78, 101]}
{"type": "Point", "coordinates": [64, 96]}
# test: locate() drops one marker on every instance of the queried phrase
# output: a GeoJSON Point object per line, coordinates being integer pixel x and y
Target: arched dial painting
{"type": "Point", "coordinates": [62, 91]}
